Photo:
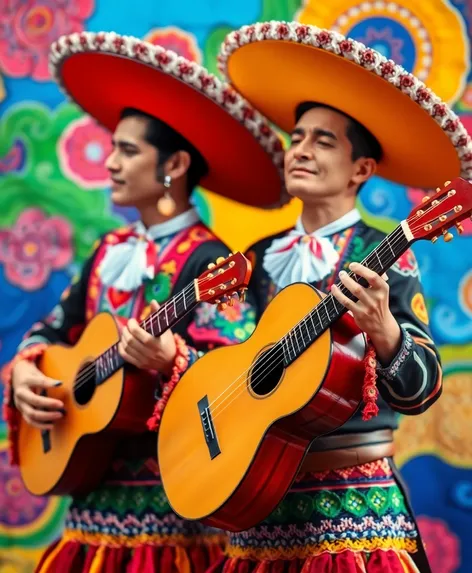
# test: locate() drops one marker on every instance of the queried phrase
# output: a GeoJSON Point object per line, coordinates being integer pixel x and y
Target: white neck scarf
{"type": "Point", "coordinates": [125, 265]}
{"type": "Point", "coordinates": [300, 257]}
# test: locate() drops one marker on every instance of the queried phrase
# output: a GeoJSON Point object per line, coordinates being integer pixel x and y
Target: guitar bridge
{"type": "Point", "coordinates": [208, 427]}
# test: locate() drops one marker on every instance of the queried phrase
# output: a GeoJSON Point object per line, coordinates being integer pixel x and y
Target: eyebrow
{"type": "Point", "coordinates": [317, 132]}
{"type": "Point", "coordinates": [123, 143]}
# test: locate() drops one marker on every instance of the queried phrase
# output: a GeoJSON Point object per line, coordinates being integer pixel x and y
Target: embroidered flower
{"type": "Point", "coordinates": [442, 545]}
{"type": "Point", "coordinates": [83, 149]}
{"type": "Point", "coordinates": [28, 29]}
{"type": "Point", "coordinates": [175, 39]}
{"type": "Point", "coordinates": [34, 247]}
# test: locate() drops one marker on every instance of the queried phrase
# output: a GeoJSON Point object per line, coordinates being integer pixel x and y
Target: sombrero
{"type": "Point", "coordinates": [104, 73]}
{"type": "Point", "coordinates": [277, 65]}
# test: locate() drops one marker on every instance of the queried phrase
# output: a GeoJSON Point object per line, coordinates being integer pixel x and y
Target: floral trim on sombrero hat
{"type": "Point", "coordinates": [367, 58]}
{"type": "Point", "coordinates": [167, 61]}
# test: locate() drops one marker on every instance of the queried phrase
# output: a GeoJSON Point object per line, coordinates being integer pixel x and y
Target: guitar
{"type": "Point", "coordinates": [103, 397]}
{"type": "Point", "coordinates": [241, 420]}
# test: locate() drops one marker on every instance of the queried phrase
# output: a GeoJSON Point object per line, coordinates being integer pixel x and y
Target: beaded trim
{"type": "Point", "coordinates": [170, 63]}
{"type": "Point", "coordinates": [368, 59]}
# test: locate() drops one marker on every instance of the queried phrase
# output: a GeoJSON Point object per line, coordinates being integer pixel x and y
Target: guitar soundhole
{"type": "Point", "coordinates": [85, 384]}
{"type": "Point", "coordinates": [267, 371]}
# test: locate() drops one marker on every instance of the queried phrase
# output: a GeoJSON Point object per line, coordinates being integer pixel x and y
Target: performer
{"type": "Point", "coordinates": [175, 126]}
{"type": "Point", "coordinates": [351, 113]}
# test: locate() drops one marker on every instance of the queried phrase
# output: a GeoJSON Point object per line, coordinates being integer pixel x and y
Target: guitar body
{"type": "Point", "coordinates": [74, 455]}
{"type": "Point", "coordinates": [262, 427]}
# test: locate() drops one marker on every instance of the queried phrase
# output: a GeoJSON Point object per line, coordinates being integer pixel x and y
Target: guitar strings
{"type": "Point", "coordinates": [322, 304]}
{"type": "Point", "coordinates": [267, 365]}
{"type": "Point", "coordinates": [88, 373]}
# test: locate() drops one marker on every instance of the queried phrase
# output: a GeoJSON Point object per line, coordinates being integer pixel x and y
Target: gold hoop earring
{"type": "Point", "coordinates": [165, 204]}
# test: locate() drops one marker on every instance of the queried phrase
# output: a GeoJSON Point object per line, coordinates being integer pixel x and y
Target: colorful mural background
{"type": "Point", "coordinates": [54, 203]}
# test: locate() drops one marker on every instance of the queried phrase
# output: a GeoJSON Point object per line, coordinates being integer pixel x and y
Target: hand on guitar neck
{"type": "Point", "coordinates": [145, 351]}
{"type": "Point", "coordinates": [371, 310]}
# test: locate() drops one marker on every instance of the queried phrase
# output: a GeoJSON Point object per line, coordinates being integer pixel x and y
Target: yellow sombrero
{"type": "Point", "coordinates": [105, 72]}
{"type": "Point", "coordinates": [277, 65]}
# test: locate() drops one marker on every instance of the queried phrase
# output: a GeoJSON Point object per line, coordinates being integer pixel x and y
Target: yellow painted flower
{"type": "Point", "coordinates": [428, 39]}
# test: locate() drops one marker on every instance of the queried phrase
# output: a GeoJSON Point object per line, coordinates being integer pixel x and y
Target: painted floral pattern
{"type": "Point", "coordinates": [83, 149]}
{"type": "Point", "coordinates": [177, 40]}
{"type": "Point", "coordinates": [27, 29]}
{"type": "Point", "coordinates": [442, 545]}
{"type": "Point", "coordinates": [34, 247]}
{"type": "Point", "coordinates": [17, 506]}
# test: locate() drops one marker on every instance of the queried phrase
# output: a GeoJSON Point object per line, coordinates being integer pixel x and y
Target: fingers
{"type": "Point", "coordinates": [33, 416]}
{"type": "Point", "coordinates": [134, 331]}
{"type": "Point", "coordinates": [374, 280]}
{"type": "Point", "coordinates": [133, 356]}
{"type": "Point", "coordinates": [342, 298]}
{"type": "Point", "coordinates": [155, 305]}
{"type": "Point", "coordinates": [30, 398]}
{"type": "Point", "coordinates": [353, 287]}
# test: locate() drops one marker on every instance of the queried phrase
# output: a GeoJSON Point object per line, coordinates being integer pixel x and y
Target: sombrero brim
{"type": "Point", "coordinates": [277, 65]}
{"type": "Point", "coordinates": [105, 73]}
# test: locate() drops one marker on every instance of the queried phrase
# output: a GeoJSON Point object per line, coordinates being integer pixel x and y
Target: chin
{"type": "Point", "coordinates": [303, 190]}
{"type": "Point", "coordinates": [121, 198]}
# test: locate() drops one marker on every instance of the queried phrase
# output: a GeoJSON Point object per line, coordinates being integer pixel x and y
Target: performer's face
{"type": "Point", "coordinates": [318, 163]}
{"type": "Point", "coordinates": [133, 165]}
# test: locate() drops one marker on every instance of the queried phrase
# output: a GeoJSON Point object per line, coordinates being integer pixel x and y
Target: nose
{"type": "Point", "coordinates": [111, 162]}
{"type": "Point", "coordinates": [303, 151]}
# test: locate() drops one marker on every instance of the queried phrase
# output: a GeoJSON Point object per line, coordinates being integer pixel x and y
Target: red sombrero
{"type": "Point", "coordinates": [104, 73]}
{"type": "Point", "coordinates": [277, 65]}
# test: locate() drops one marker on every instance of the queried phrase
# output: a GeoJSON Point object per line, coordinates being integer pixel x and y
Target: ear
{"type": "Point", "coordinates": [178, 164]}
{"type": "Point", "coordinates": [364, 168]}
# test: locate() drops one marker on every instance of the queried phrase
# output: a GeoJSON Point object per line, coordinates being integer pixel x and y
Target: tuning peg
{"type": "Point", "coordinates": [438, 189]}
{"type": "Point", "coordinates": [446, 183]}
{"type": "Point", "coordinates": [222, 306]}
{"type": "Point", "coordinates": [447, 236]}
{"type": "Point", "coordinates": [460, 228]}
{"type": "Point", "coordinates": [211, 266]}
{"type": "Point", "coordinates": [220, 260]}
{"type": "Point", "coordinates": [425, 198]}
{"type": "Point", "coordinates": [434, 239]}
{"type": "Point", "coordinates": [231, 302]}
{"type": "Point", "coordinates": [242, 294]}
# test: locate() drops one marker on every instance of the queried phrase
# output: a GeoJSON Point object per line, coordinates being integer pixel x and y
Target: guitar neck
{"type": "Point", "coordinates": [329, 310]}
{"type": "Point", "coordinates": [155, 324]}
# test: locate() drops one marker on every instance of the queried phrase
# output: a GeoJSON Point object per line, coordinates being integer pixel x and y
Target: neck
{"type": "Point", "coordinates": [150, 215]}
{"type": "Point", "coordinates": [317, 215]}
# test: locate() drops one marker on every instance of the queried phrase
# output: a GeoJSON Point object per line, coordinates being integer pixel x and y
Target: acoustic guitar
{"type": "Point", "coordinates": [240, 421]}
{"type": "Point", "coordinates": [103, 397]}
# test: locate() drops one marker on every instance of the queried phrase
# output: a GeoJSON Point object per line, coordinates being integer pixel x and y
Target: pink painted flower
{"type": "Point", "coordinates": [34, 247]}
{"type": "Point", "coordinates": [175, 39]}
{"type": "Point", "coordinates": [442, 545]}
{"type": "Point", "coordinates": [17, 506]}
{"type": "Point", "coordinates": [83, 149]}
{"type": "Point", "coordinates": [27, 29]}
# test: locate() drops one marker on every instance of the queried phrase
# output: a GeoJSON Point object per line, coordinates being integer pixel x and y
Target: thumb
{"type": "Point", "coordinates": [43, 381]}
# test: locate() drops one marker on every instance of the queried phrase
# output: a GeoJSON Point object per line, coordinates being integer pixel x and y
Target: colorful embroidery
{"type": "Point", "coordinates": [359, 508]}
{"type": "Point", "coordinates": [418, 306]}
{"type": "Point", "coordinates": [406, 265]}
{"type": "Point", "coordinates": [234, 324]}
{"type": "Point", "coordinates": [404, 353]}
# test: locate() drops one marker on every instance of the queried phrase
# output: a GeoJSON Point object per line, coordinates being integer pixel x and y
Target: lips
{"type": "Point", "coordinates": [302, 170]}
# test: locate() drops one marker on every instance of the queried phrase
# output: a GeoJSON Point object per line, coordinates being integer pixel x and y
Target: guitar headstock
{"type": "Point", "coordinates": [223, 279]}
{"type": "Point", "coordinates": [450, 205]}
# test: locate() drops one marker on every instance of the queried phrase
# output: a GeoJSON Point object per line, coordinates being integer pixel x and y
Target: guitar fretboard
{"type": "Point", "coordinates": [328, 310]}
{"type": "Point", "coordinates": [156, 324]}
